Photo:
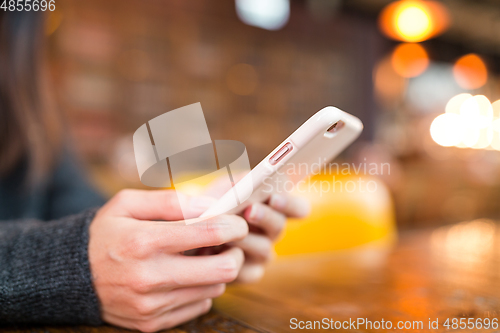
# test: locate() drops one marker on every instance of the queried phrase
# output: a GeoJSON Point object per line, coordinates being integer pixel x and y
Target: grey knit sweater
{"type": "Point", "coordinates": [44, 269]}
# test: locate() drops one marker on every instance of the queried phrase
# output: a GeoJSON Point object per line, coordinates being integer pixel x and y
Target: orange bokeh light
{"type": "Point", "coordinates": [470, 71]}
{"type": "Point", "coordinates": [389, 85]}
{"type": "Point", "coordinates": [409, 60]}
{"type": "Point", "coordinates": [413, 21]}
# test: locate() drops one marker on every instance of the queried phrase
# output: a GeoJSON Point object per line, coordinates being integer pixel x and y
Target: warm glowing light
{"type": "Point", "coordinates": [484, 139]}
{"type": "Point", "coordinates": [495, 142]}
{"type": "Point", "coordinates": [470, 72]}
{"type": "Point", "coordinates": [466, 243]}
{"type": "Point", "coordinates": [454, 104]}
{"type": "Point", "coordinates": [447, 129]}
{"type": "Point", "coordinates": [409, 60]}
{"type": "Point", "coordinates": [496, 108]}
{"type": "Point", "coordinates": [469, 111]}
{"type": "Point", "coordinates": [477, 112]}
{"type": "Point", "coordinates": [389, 85]}
{"type": "Point", "coordinates": [470, 137]}
{"type": "Point", "coordinates": [413, 21]}
{"type": "Point", "coordinates": [496, 125]}
{"type": "Point", "coordinates": [468, 122]}
{"type": "Point", "coordinates": [485, 111]}
{"type": "Point", "coordinates": [190, 189]}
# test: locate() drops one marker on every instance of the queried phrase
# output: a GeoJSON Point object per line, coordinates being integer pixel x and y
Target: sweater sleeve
{"type": "Point", "coordinates": [45, 273]}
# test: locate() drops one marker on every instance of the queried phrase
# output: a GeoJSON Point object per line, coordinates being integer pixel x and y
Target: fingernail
{"type": "Point", "coordinates": [277, 201]}
{"type": "Point", "coordinates": [201, 203]}
{"type": "Point", "coordinates": [256, 213]}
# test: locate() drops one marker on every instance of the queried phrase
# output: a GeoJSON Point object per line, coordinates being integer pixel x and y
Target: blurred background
{"type": "Point", "coordinates": [423, 76]}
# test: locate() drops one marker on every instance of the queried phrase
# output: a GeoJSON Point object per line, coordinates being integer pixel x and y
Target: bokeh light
{"type": "Point", "coordinates": [469, 111]}
{"type": "Point", "coordinates": [454, 104]}
{"type": "Point", "coordinates": [265, 14]}
{"type": "Point", "coordinates": [484, 139]}
{"type": "Point", "coordinates": [409, 59]}
{"type": "Point", "coordinates": [468, 122]}
{"type": "Point", "coordinates": [495, 106]}
{"type": "Point", "coordinates": [470, 137]}
{"type": "Point", "coordinates": [477, 111]}
{"type": "Point", "coordinates": [447, 129]}
{"type": "Point", "coordinates": [495, 141]}
{"type": "Point", "coordinates": [413, 21]}
{"type": "Point", "coordinates": [389, 85]}
{"type": "Point", "coordinates": [466, 243]}
{"type": "Point", "coordinates": [485, 117]}
{"type": "Point", "coordinates": [470, 71]}
{"type": "Point", "coordinates": [431, 90]}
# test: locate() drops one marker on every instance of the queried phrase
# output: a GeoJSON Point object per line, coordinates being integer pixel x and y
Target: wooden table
{"type": "Point", "coordinates": [451, 272]}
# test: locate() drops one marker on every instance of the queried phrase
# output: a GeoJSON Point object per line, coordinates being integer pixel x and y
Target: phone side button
{"type": "Point", "coordinates": [281, 153]}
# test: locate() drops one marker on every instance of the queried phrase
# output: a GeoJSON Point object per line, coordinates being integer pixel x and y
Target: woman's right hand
{"type": "Point", "coordinates": [140, 275]}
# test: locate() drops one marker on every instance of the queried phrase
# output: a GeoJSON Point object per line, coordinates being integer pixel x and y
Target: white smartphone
{"type": "Point", "coordinates": [316, 142]}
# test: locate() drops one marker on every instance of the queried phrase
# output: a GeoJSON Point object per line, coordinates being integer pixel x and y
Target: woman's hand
{"type": "Point", "coordinates": [266, 221]}
{"type": "Point", "coordinates": [141, 277]}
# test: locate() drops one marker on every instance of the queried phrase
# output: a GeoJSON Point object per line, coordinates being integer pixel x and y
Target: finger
{"type": "Point", "coordinates": [113, 319]}
{"type": "Point", "coordinates": [183, 296]}
{"type": "Point", "coordinates": [265, 218]}
{"type": "Point", "coordinates": [183, 314]}
{"type": "Point", "coordinates": [168, 320]}
{"type": "Point", "coordinates": [290, 205]}
{"type": "Point", "coordinates": [150, 306]}
{"type": "Point", "coordinates": [178, 238]}
{"type": "Point", "coordinates": [251, 272]}
{"type": "Point", "coordinates": [158, 205]}
{"type": "Point", "coordinates": [257, 248]}
{"type": "Point", "coordinates": [205, 270]}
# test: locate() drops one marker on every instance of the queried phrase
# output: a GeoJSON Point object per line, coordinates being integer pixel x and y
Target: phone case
{"type": "Point", "coordinates": [316, 142]}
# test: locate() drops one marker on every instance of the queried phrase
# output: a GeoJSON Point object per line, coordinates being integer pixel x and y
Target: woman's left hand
{"type": "Point", "coordinates": [266, 221]}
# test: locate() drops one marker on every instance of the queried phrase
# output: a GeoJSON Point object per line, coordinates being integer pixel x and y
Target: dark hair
{"type": "Point", "coordinates": [30, 128]}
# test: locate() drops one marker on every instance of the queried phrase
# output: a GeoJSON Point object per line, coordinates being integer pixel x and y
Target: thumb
{"type": "Point", "coordinates": [167, 205]}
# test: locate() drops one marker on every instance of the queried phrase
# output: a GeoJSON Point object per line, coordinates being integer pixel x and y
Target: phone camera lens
{"type": "Point", "coordinates": [336, 127]}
